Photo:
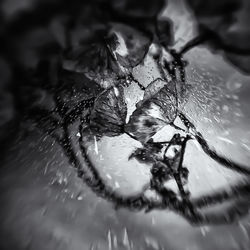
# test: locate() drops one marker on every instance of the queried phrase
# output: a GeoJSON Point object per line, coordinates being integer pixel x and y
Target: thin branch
{"type": "Point", "coordinates": [193, 43]}
{"type": "Point", "coordinates": [212, 153]}
{"type": "Point", "coordinates": [221, 159]}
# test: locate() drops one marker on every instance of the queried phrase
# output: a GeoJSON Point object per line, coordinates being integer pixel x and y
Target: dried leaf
{"type": "Point", "coordinates": [132, 45]}
{"type": "Point", "coordinates": [109, 113]}
{"type": "Point", "coordinates": [150, 153]}
{"type": "Point", "coordinates": [164, 32]}
{"type": "Point", "coordinates": [157, 109]}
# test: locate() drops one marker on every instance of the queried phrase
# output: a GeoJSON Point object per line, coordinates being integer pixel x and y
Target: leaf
{"type": "Point", "coordinates": [75, 88]}
{"type": "Point", "coordinates": [157, 109]}
{"type": "Point", "coordinates": [92, 54]}
{"type": "Point", "coordinates": [91, 58]}
{"type": "Point", "coordinates": [153, 88]}
{"type": "Point", "coordinates": [78, 110]}
{"type": "Point", "coordinates": [78, 83]}
{"type": "Point", "coordinates": [150, 153]}
{"type": "Point", "coordinates": [132, 45]}
{"type": "Point", "coordinates": [109, 113]}
{"type": "Point", "coordinates": [164, 31]}
{"type": "Point", "coordinates": [163, 95]}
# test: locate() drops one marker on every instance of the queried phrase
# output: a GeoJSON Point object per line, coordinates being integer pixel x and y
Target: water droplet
{"type": "Point", "coordinates": [109, 240]}
{"type": "Point", "coordinates": [153, 220]}
{"type": "Point", "coordinates": [79, 198]}
{"type": "Point", "coordinates": [225, 108]}
{"type": "Point", "coordinates": [225, 140]}
{"type": "Point", "coordinates": [125, 239]}
{"type": "Point", "coordinates": [116, 92]}
{"type": "Point", "coordinates": [96, 146]}
{"type": "Point", "coordinates": [204, 230]}
{"type": "Point", "coordinates": [109, 176]}
{"type": "Point", "coordinates": [115, 243]}
{"type": "Point", "coordinates": [152, 243]}
{"type": "Point", "coordinates": [244, 230]}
